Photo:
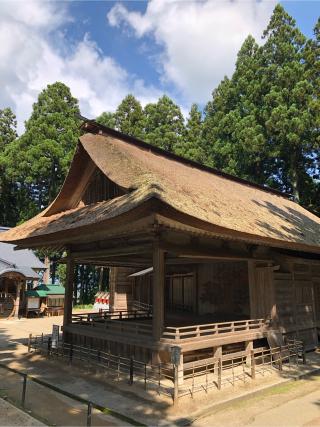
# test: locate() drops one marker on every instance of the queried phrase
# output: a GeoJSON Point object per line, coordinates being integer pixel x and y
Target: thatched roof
{"type": "Point", "coordinates": [214, 201]}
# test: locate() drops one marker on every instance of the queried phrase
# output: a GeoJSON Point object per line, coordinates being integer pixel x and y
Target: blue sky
{"type": "Point", "coordinates": [104, 50]}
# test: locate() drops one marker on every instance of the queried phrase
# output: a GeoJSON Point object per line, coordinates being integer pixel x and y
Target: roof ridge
{"type": "Point", "coordinates": [96, 128]}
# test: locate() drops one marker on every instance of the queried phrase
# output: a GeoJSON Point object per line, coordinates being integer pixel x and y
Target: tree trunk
{"type": "Point", "coordinates": [294, 175]}
{"type": "Point", "coordinates": [46, 274]}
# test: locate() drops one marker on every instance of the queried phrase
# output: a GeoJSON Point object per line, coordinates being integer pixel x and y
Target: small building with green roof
{"type": "Point", "coordinates": [45, 299]}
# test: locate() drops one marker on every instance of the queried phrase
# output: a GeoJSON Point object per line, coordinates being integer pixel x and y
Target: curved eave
{"type": "Point", "coordinates": [18, 272]}
{"type": "Point", "coordinates": [156, 213]}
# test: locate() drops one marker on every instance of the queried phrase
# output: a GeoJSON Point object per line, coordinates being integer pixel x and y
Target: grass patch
{"type": "Point", "coordinates": [83, 307]}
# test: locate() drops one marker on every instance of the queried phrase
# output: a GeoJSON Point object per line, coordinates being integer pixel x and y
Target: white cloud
{"type": "Point", "coordinates": [199, 40]}
{"type": "Point", "coordinates": [31, 58]}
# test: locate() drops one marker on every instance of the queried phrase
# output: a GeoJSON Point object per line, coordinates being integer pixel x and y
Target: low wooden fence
{"type": "Point", "coordinates": [157, 377]}
{"type": "Point", "coordinates": [213, 329]}
{"type": "Point", "coordinates": [200, 375]}
{"type": "Point", "coordinates": [240, 367]}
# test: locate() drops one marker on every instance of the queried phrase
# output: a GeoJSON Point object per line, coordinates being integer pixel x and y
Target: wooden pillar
{"type": "Point", "coordinates": [17, 301]}
{"type": "Point", "coordinates": [252, 289]}
{"type": "Point", "coordinates": [180, 372]}
{"type": "Point", "coordinates": [158, 292]}
{"type": "Point", "coordinates": [67, 317]}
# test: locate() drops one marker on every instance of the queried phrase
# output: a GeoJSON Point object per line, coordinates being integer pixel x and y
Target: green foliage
{"type": "Point", "coordinates": [164, 124]}
{"type": "Point", "coordinates": [44, 151]}
{"type": "Point", "coordinates": [287, 95]}
{"type": "Point", "coordinates": [191, 145]}
{"type": "Point", "coordinates": [86, 280]}
{"type": "Point", "coordinates": [233, 125]}
{"type": "Point", "coordinates": [62, 274]}
{"type": "Point", "coordinates": [8, 127]}
{"type": "Point", "coordinates": [263, 123]}
{"type": "Point", "coordinates": [82, 307]}
{"type": "Point", "coordinates": [107, 119]}
{"type": "Point", "coordinates": [9, 192]}
{"type": "Point", "coordinates": [129, 117]}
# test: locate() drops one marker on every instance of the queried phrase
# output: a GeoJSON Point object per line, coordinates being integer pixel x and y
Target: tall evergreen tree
{"type": "Point", "coordinates": [312, 59]}
{"type": "Point", "coordinates": [129, 117]}
{"type": "Point", "coordinates": [8, 127]}
{"type": "Point", "coordinates": [191, 145]}
{"type": "Point", "coordinates": [44, 151]}
{"type": "Point", "coordinates": [286, 102]}
{"type": "Point", "coordinates": [164, 124]}
{"type": "Point", "coordinates": [9, 194]}
{"type": "Point", "coordinates": [233, 128]}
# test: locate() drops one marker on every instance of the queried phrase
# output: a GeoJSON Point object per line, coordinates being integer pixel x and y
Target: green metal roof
{"type": "Point", "coordinates": [36, 294]}
{"type": "Point", "coordinates": [43, 291]}
{"type": "Point", "coordinates": [51, 289]}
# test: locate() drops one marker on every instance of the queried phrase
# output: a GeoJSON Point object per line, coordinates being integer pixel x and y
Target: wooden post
{"type": "Point", "coordinates": [304, 359]}
{"type": "Point", "coordinates": [219, 373]}
{"type": "Point", "coordinates": [180, 370]}
{"type": "Point", "coordinates": [131, 371]}
{"type": "Point", "coordinates": [248, 349]}
{"type": "Point", "coordinates": [253, 366]}
{"type": "Point", "coordinates": [176, 384]}
{"type": "Point", "coordinates": [67, 315]}
{"type": "Point", "coordinates": [217, 353]}
{"type": "Point", "coordinates": [158, 292]}
{"type": "Point", "coordinates": [89, 414]}
{"type": "Point", "coordinates": [29, 343]}
{"type": "Point", "coordinates": [24, 389]}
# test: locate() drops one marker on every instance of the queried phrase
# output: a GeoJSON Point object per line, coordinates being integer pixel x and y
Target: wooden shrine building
{"type": "Point", "coordinates": [17, 270]}
{"type": "Point", "coordinates": [199, 259]}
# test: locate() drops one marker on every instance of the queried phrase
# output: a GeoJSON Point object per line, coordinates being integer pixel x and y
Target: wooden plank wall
{"type": "Point", "coordinates": [296, 298]}
{"type": "Point", "coordinates": [100, 188]}
{"type": "Point", "coordinates": [223, 288]}
{"type": "Point", "coordinates": [262, 301]}
{"type": "Point", "coordinates": [121, 288]}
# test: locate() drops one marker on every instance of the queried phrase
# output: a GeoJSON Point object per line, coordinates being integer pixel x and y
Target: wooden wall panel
{"type": "Point", "coordinates": [121, 288]}
{"type": "Point", "coordinates": [100, 188]}
{"type": "Point", "coordinates": [296, 301]}
{"type": "Point", "coordinates": [263, 303]}
{"type": "Point", "coordinates": [223, 288]}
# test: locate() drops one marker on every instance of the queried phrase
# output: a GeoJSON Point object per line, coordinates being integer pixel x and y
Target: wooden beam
{"type": "Point", "coordinates": [201, 252]}
{"type": "Point", "coordinates": [112, 252]}
{"type": "Point", "coordinates": [158, 291]}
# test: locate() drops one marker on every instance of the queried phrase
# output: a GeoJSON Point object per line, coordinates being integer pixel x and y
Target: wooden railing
{"type": "Point", "coordinates": [124, 322]}
{"type": "Point", "coordinates": [138, 305]}
{"type": "Point", "coordinates": [104, 315]}
{"type": "Point", "coordinates": [212, 329]}
{"type": "Point", "coordinates": [117, 322]}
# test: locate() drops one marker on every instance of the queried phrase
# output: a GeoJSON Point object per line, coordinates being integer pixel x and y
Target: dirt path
{"type": "Point", "coordinates": [12, 416]}
{"type": "Point", "coordinates": [289, 405]}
